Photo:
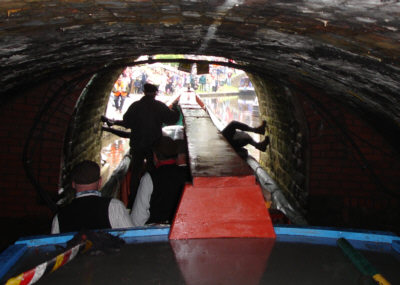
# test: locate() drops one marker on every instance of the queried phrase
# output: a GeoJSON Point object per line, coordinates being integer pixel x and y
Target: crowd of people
{"type": "Point", "coordinates": [171, 79]}
{"type": "Point", "coordinates": [157, 179]}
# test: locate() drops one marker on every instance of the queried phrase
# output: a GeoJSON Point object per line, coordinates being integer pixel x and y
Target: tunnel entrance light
{"type": "Point", "coordinates": [226, 90]}
{"type": "Point", "coordinates": [197, 64]}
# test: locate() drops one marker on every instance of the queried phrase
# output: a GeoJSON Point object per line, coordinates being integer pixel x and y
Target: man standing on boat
{"type": "Point", "coordinates": [89, 210]}
{"type": "Point", "coordinates": [145, 118]}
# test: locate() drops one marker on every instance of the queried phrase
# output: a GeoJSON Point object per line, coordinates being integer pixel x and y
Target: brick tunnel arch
{"type": "Point", "coordinates": [287, 124]}
{"type": "Point", "coordinates": [307, 153]}
{"type": "Point", "coordinates": [327, 76]}
{"type": "Point", "coordinates": [313, 139]}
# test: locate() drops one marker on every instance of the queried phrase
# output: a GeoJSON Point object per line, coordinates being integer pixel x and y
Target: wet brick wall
{"type": "Point", "coordinates": [285, 159]}
{"type": "Point", "coordinates": [84, 136]}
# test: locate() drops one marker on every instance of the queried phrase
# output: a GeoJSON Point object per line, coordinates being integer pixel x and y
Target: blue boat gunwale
{"type": "Point", "coordinates": [280, 230]}
{"type": "Point", "coordinates": [309, 234]}
{"type": "Point", "coordinates": [122, 233]}
{"type": "Point", "coordinates": [336, 233]}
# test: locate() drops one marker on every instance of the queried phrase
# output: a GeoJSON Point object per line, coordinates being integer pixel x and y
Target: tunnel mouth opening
{"type": "Point", "coordinates": [226, 90]}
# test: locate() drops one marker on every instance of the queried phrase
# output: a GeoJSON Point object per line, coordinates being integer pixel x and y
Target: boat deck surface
{"type": "Point", "coordinates": [210, 154]}
{"type": "Point", "coordinates": [157, 260]}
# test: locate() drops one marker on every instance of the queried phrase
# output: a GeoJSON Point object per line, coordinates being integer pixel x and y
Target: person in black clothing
{"type": "Point", "coordinates": [89, 210]}
{"type": "Point", "coordinates": [145, 118]}
{"type": "Point", "coordinates": [160, 189]}
{"type": "Point", "coordinates": [236, 134]}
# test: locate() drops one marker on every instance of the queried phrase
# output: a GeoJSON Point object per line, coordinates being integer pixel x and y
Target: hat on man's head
{"type": "Point", "coordinates": [166, 148]}
{"type": "Point", "coordinates": [150, 88]}
{"type": "Point", "coordinates": [86, 172]}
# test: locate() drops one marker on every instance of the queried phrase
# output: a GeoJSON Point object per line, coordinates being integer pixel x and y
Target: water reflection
{"type": "Point", "coordinates": [242, 108]}
{"type": "Point", "coordinates": [222, 261]}
{"type": "Point", "coordinates": [113, 154]}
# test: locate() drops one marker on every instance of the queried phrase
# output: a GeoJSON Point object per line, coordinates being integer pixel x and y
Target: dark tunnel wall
{"type": "Point", "coordinates": [327, 75]}
{"type": "Point", "coordinates": [327, 159]}
{"type": "Point", "coordinates": [34, 126]}
{"type": "Point", "coordinates": [286, 159]}
{"type": "Point", "coordinates": [353, 170]}
{"type": "Point", "coordinates": [83, 140]}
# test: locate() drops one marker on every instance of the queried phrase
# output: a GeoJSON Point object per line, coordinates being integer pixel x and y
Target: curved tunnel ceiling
{"type": "Point", "coordinates": [350, 49]}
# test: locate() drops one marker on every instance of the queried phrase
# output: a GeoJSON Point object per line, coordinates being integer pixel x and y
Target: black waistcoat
{"type": "Point", "coordinates": [85, 213]}
{"type": "Point", "coordinates": [168, 183]}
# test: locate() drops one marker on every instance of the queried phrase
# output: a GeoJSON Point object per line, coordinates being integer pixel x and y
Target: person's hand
{"type": "Point", "coordinates": [104, 119]}
{"type": "Point", "coordinates": [174, 105]}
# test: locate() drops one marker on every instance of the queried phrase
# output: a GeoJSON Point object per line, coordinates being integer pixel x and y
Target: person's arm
{"type": "Point", "coordinates": [120, 133]}
{"type": "Point", "coordinates": [173, 101]}
{"type": "Point", "coordinates": [141, 207]}
{"type": "Point", "coordinates": [55, 226]}
{"type": "Point", "coordinates": [118, 215]}
{"type": "Point", "coordinates": [169, 116]}
{"type": "Point", "coordinates": [110, 122]}
{"type": "Point", "coordinates": [115, 89]}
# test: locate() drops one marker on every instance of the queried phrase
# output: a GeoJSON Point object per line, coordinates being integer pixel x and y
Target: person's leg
{"type": "Point", "coordinates": [121, 103]}
{"type": "Point", "coordinates": [262, 146]}
{"type": "Point", "coordinates": [137, 167]}
{"type": "Point", "coordinates": [243, 127]}
{"type": "Point", "coordinates": [261, 128]}
{"type": "Point", "coordinates": [116, 101]}
{"type": "Point", "coordinates": [242, 139]}
{"type": "Point", "coordinates": [229, 131]}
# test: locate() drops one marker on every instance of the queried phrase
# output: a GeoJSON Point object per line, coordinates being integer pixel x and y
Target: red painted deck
{"type": "Point", "coordinates": [224, 200]}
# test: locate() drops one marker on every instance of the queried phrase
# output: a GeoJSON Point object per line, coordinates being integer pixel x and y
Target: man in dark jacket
{"type": "Point", "coordinates": [145, 118]}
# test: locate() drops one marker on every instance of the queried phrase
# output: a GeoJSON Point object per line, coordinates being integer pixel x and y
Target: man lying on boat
{"type": "Point", "coordinates": [236, 134]}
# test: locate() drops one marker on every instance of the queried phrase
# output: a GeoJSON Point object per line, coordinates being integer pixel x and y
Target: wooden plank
{"type": "Point", "coordinates": [210, 155]}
